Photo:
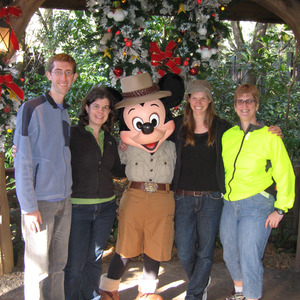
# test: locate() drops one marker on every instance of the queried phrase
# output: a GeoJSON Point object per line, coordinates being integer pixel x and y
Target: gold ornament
{"type": "Point", "coordinates": [181, 8]}
{"type": "Point", "coordinates": [12, 95]}
{"type": "Point", "coordinates": [107, 53]}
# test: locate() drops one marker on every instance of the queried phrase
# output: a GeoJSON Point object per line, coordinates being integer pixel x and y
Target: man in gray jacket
{"type": "Point", "coordinates": [44, 180]}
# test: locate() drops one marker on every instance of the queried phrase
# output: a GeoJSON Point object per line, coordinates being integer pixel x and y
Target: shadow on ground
{"type": "Point", "coordinates": [278, 284]}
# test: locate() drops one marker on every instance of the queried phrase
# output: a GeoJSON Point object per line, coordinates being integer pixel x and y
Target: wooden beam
{"type": "Point", "coordinates": [297, 211]}
{"type": "Point", "coordinates": [287, 10]}
{"type": "Point", "coordinates": [6, 246]}
{"type": "Point", "coordinates": [247, 10]}
{"type": "Point", "coordinates": [65, 4]}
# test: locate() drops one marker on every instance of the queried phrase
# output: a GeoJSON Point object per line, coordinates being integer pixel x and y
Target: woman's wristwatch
{"type": "Point", "coordinates": [280, 211]}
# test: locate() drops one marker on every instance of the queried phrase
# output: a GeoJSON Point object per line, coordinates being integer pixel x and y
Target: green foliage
{"type": "Point", "coordinates": [272, 71]}
{"type": "Point", "coordinates": [284, 237]}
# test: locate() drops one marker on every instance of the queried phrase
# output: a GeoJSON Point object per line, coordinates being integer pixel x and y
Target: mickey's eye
{"type": "Point", "coordinates": [154, 120]}
{"type": "Point", "coordinates": [137, 124]}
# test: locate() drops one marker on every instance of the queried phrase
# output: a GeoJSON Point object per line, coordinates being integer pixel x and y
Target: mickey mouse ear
{"type": "Point", "coordinates": [174, 83]}
{"type": "Point", "coordinates": [117, 96]}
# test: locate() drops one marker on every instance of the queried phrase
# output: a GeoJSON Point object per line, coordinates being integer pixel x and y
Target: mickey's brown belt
{"type": "Point", "coordinates": [149, 186]}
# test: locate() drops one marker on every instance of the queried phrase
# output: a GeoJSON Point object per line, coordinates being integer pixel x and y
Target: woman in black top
{"type": "Point", "coordinates": [95, 160]}
{"type": "Point", "coordinates": [198, 183]}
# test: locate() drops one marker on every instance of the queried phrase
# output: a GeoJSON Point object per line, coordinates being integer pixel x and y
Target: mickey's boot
{"type": "Point", "coordinates": [147, 290]}
{"type": "Point", "coordinates": [108, 289]}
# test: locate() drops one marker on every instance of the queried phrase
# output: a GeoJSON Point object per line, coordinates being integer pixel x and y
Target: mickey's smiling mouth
{"type": "Point", "coordinates": [151, 146]}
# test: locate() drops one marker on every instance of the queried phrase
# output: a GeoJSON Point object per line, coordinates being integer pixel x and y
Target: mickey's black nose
{"type": "Point", "coordinates": [147, 128]}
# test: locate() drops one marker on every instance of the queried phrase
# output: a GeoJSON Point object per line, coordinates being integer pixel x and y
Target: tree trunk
{"type": "Point", "coordinates": [287, 10]}
{"type": "Point", "coordinates": [260, 30]}
{"type": "Point", "coordinates": [238, 36]}
{"type": "Point", "coordinates": [6, 247]}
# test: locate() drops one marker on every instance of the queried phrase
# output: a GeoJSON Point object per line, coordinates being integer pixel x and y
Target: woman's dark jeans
{"type": "Point", "coordinates": [196, 225]}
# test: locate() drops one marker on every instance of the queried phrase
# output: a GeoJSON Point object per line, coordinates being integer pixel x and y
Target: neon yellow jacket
{"type": "Point", "coordinates": [252, 160]}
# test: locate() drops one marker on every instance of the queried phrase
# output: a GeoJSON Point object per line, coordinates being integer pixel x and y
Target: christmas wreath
{"type": "Point", "coordinates": [158, 36]}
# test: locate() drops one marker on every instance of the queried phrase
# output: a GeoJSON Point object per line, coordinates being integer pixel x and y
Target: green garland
{"type": "Point", "coordinates": [158, 36]}
{"type": "Point", "coordinates": [9, 103]}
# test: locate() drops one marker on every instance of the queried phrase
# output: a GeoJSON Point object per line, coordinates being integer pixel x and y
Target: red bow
{"type": "Point", "coordinates": [8, 81]}
{"type": "Point", "coordinates": [12, 11]}
{"type": "Point", "coordinates": [159, 58]}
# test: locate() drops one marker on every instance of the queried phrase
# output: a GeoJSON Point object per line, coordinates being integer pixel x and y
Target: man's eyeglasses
{"type": "Point", "coordinates": [60, 73]}
{"type": "Point", "coordinates": [248, 101]}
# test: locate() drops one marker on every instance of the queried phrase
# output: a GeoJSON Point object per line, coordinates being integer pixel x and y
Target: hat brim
{"type": "Point", "coordinates": [142, 99]}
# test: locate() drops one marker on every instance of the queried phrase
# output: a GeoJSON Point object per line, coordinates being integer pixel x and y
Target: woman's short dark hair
{"type": "Point", "coordinates": [247, 88]}
{"type": "Point", "coordinates": [98, 92]}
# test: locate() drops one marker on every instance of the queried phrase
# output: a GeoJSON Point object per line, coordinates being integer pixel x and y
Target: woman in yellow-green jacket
{"type": "Point", "coordinates": [254, 161]}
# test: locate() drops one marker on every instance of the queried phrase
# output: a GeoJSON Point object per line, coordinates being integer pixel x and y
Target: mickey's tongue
{"type": "Point", "coordinates": [150, 146]}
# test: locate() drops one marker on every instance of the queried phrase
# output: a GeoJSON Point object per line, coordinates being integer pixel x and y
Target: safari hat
{"type": "Point", "coordinates": [139, 89]}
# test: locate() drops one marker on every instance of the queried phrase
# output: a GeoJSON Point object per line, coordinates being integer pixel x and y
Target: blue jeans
{"type": "Point", "coordinates": [90, 230]}
{"type": "Point", "coordinates": [244, 238]}
{"type": "Point", "coordinates": [196, 226]}
{"type": "Point", "coordinates": [46, 251]}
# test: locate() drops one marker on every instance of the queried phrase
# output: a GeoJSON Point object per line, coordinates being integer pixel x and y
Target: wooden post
{"type": "Point", "coordinates": [297, 211]}
{"type": "Point", "coordinates": [6, 246]}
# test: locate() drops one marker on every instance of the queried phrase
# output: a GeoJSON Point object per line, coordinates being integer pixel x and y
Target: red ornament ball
{"type": "Point", "coordinates": [128, 43]}
{"type": "Point", "coordinates": [118, 71]}
{"type": "Point", "coordinates": [194, 71]}
{"type": "Point", "coordinates": [186, 63]}
{"type": "Point", "coordinates": [7, 109]}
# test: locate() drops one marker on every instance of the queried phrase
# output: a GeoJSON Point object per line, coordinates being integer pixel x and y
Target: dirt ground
{"type": "Point", "coordinates": [14, 281]}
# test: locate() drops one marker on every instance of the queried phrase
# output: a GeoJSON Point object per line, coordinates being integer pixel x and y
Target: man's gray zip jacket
{"type": "Point", "coordinates": [42, 163]}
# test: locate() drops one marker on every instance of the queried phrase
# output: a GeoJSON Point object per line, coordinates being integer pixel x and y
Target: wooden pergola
{"type": "Point", "coordinates": [264, 11]}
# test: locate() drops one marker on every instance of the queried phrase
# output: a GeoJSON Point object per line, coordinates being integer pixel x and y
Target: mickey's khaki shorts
{"type": "Point", "coordinates": [146, 224]}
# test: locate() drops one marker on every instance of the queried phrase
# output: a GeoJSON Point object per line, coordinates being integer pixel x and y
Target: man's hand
{"type": "Point", "coordinates": [14, 151]}
{"type": "Point", "coordinates": [275, 130]}
{"type": "Point", "coordinates": [273, 219]}
{"type": "Point", "coordinates": [34, 220]}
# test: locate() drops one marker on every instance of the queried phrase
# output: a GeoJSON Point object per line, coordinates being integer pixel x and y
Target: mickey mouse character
{"type": "Point", "coordinates": [146, 212]}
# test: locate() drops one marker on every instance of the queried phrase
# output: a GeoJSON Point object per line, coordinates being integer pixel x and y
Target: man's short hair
{"type": "Point", "coordinates": [61, 57]}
